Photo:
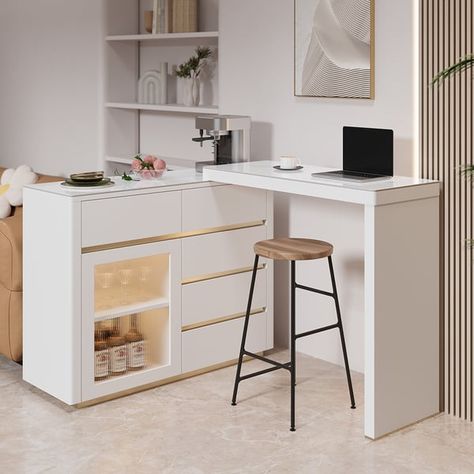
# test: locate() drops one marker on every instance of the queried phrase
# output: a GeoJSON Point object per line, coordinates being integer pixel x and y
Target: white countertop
{"type": "Point", "coordinates": [169, 181]}
{"type": "Point", "coordinates": [261, 174]}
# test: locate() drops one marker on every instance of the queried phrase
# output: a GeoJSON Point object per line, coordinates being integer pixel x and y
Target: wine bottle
{"type": "Point", "coordinates": [101, 349]}
{"type": "Point", "coordinates": [135, 345]}
{"type": "Point", "coordinates": [117, 350]}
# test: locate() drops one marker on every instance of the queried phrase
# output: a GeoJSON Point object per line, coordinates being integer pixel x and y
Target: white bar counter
{"type": "Point", "coordinates": [401, 259]}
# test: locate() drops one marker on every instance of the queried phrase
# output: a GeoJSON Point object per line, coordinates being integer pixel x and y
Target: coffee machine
{"type": "Point", "coordinates": [230, 137]}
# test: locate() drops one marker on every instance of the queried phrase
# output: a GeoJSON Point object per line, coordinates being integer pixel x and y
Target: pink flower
{"type": "Point", "coordinates": [136, 165]}
{"type": "Point", "coordinates": [146, 174]}
{"type": "Point", "coordinates": [149, 159]}
{"type": "Point", "coordinates": [159, 164]}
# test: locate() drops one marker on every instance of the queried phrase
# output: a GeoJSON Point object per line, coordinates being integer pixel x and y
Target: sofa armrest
{"type": "Point", "coordinates": [11, 251]}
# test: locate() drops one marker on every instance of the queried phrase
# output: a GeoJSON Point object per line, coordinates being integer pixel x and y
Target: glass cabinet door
{"type": "Point", "coordinates": [131, 317]}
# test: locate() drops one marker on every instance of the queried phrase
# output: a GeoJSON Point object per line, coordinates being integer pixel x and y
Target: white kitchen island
{"type": "Point", "coordinates": [174, 254]}
{"type": "Point", "coordinates": [401, 261]}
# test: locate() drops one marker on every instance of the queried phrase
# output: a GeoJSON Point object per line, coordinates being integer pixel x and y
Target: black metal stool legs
{"type": "Point", "coordinates": [244, 334]}
{"type": "Point", "coordinates": [293, 345]}
{"type": "Point", "coordinates": [341, 332]}
{"type": "Point", "coordinates": [291, 366]}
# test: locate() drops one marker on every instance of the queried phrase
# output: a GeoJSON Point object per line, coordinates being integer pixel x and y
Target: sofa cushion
{"type": "Point", "coordinates": [11, 245]}
{"type": "Point", "coordinates": [11, 324]}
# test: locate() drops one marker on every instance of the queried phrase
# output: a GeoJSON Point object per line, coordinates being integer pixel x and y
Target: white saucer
{"type": "Point", "coordinates": [279, 168]}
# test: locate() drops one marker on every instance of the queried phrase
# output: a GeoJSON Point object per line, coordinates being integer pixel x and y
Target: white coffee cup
{"type": "Point", "coordinates": [288, 162]}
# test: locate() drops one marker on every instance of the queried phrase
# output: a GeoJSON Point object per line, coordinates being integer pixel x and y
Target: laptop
{"type": "Point", "coordinates": [367, 154]}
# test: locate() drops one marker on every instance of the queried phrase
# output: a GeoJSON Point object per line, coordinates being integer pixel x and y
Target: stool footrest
{"type": "Point", "coordinates": [260, 372]}
{"type": "Point", "coordinates": [315, 290]}
{"type": "Point", "coordinates": [315, 331]}
{"type": "Point", "coordinates": [278, 365]}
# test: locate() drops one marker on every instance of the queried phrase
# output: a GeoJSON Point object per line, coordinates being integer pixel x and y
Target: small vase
{"type": "Point", "coordinates": [191, 92]}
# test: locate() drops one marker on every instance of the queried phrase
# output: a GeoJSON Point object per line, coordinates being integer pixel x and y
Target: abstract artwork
{"type": "Point", "coordinates": [334, 48]}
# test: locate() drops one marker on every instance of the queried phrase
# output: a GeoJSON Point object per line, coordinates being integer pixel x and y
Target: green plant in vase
{"type": "Point", "coordinates": [190, 71]}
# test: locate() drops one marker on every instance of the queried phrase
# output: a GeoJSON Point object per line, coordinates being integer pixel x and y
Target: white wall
{"type": "Point", "coordinates": [50, 84]}
{"type": "Point", "coordinates": [51, 118]}
{"type": "Point", "coordinates": [256, 78]}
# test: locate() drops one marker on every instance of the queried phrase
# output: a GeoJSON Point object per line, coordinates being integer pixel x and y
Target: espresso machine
{"type": "Point", "coordinates": [230, 137]}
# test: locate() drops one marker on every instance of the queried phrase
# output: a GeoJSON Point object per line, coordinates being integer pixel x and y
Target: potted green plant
{"type": "Point", "coordinates": [189, 73]}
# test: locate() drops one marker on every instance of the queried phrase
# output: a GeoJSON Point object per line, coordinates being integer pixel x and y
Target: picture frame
{"type": "Point", "coordinates": [334, 47]}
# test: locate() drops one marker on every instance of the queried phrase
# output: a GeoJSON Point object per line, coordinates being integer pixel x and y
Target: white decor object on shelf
{"type": "Point", "coordinates": [156, 17]}
{"type": "Point", "coordinates": [191, 91]}
{"type": "Point", "coordinates": [153, 86]}
{"type": "Point", "coordinates": [162, 16]}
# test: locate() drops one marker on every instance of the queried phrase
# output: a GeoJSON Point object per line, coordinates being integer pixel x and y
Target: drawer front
{"type": "Point", "coordinates": [219, 343]}
{"type": "Point", "coordinates": [220, 297]}
{"type": "Point", "coordinates": [214, 253]}
{"type": "Point", "coordinates": [113, 220]}
{"type": "Point", "coordinates": [221, 206]}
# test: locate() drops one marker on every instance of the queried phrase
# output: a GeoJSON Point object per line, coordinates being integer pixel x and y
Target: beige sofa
{"type": "Point", "coordinates": [11, 284]}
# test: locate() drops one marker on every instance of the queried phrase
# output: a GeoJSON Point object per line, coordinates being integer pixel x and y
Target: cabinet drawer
{"type": "Point", "coordinates": [220, 297]}
{"type": "Point", "coordinates": [107, 221]}
{"type": "Point", "coordinates": [219, 343]}
{"type": "Point", "coordinates": [221, 206]}
{"type": "Point", "coordinates": [204, 255]}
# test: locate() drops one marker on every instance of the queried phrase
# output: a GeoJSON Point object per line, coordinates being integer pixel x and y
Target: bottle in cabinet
{"type": "Point", "coordinates": [101, 356]}
{"type": "Point", "coordinates": [117, 350]}
{"type": "Point", "coordinates": [135, 345]}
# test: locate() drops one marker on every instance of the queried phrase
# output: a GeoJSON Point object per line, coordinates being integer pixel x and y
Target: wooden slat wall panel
{"type": "Point", "coordinates": [446, 147]}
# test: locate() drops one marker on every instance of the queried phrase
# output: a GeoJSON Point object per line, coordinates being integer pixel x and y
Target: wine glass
{"type": "Point", "coordinates": [125, 277]}
{"type": "Point", "coordinates": [104, 285]}
{"type": "Point", "coordinates": [144, 273]}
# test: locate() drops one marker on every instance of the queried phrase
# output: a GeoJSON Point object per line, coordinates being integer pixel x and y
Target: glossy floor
{"type": "Point", "coordinates": [190, 428]}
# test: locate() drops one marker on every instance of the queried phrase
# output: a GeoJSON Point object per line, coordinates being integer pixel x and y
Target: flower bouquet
{"type": "Point", "coordinates": [149, 167]}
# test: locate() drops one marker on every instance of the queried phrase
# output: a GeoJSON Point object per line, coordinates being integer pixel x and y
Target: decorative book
{"type": "Point", "coordinates": [185, 16]}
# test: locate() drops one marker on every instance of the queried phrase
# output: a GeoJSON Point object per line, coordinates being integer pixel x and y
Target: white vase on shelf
{"type": "Point", "coordinates": [191, 92]}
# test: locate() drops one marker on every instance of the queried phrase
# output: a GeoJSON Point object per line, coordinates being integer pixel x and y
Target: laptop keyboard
{"type": "Point", "coordinates": [354, 175]}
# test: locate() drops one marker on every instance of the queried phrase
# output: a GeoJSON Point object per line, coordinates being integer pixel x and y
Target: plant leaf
{"type": "Point", "coordinates": [463, 64]}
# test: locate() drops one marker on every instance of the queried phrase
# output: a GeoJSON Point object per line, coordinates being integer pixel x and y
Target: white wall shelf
{"type": "Point", "coordinates": [130, 52]}
{"type": "Point", "coordinates": [207, 37]}
{"type": "Point", "coordinates": [171, 108]}
{"type": "Point", "coordinates": [150, 305]}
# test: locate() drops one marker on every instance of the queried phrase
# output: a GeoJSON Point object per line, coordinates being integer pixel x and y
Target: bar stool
{"type": "Point", "coordinates": [292, 249]}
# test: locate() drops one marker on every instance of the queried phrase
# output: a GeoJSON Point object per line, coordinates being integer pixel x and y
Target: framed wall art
{"type": "Point", "coordinates": [334, 48]}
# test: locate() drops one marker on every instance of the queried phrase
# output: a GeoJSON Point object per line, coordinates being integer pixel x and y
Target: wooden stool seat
{"type": "Point", "coordinates": [293, 249]}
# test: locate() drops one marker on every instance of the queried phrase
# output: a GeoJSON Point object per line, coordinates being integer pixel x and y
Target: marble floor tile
{"type": "Point", "coordinates": [189, 427]}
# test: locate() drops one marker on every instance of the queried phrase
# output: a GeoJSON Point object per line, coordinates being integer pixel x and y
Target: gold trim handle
{"type": "Point", "coordinates": [177, 235]}
{"type": "Point", "coordinates": [223, 319]}
{"type": "Point", "coordinates": [212, 276]}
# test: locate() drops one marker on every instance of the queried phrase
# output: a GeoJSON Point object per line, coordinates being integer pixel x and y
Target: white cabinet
{"type": "Point", "coordinates": [213, 344]}
{"type": "Point", "coordinates": [211, 254]}
{"type": "Point", "coordinates": [216, 298]}
{"type": "Point", "coordinates": [171, 263]}
{"type": "Point", "coordinates": [222, 206]}
{"type": "Point", "coordinates": [130, 218]}
{"type": "Point", "coordinates": [142, 281]}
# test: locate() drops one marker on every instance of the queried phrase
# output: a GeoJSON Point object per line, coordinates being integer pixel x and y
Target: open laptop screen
{"type": "Point", "coordinates": [368, 150]}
